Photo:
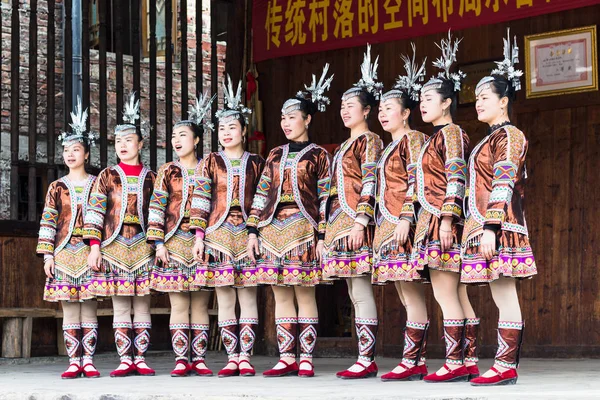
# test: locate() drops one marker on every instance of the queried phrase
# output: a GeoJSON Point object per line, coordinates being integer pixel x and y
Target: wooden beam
{"type": "Point", "coordinates": [50, 104]}
{"type": "Point", "coordinates": [153, 97]}
{"type": "Point", "coordinates": [168, 78]}
{"type": "Point", "coordinates": [15, 93]}
{"type": "Point", "coordinates": [33, 74]}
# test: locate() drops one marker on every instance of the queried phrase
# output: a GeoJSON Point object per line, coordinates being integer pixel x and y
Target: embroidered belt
{"type": "Point", "coordinates": [131, 219]}
{"type": "Point", "coordinates": [333, 191]}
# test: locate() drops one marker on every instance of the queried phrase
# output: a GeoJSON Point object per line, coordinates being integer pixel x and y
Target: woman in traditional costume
{"type": "Point", "coordinates": [440, 190]}
{"type": "Point", "coordinates": [225, 185]}
{"type": "Point", "coordinates": [69, 279]}
{"type": "Point", "coordinates": [169, 229]}
{"type": "Point", "coordinates": [395, 218]}
{"type": "Point", "coordinates": [350, 211]}
{"type": "Point", "coordinates": [496, 248]}
{"type": "Point", "coordinates": [287, 225]}
{"type": "Point", "coordinates": [115, 226]}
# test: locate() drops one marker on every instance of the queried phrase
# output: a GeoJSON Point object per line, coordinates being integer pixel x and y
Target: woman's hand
{"type": "Point", "coordinates": [162, 255]}
{"type": "Point", "coordinates": [487, 246]}
{"type": "Point", "coordinates": [357, 237]}
{"type": "Point", "coordinates": [95, 258]}
{"type": "Point", "coordinates": [401, 232]}
{"type": "Point", "coordinates": [320, 248]}
{"type": "Point", "coordinates": [446, 237]}
{"type": "Point", "coordinates": [198, 250]}
{"type": "Point", "coordinates": [252, 247]}
{"type": "Point", "coordinates": [49, 268]}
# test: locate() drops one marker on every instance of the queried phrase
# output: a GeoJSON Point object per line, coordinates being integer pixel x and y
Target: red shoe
{"type": "Point", "coordinates": [413, 373]}
{"type": "Point", "coordinates": [200, 371]}
{"type": "Point", "coordinates": [72, 374]}
{"type": "Point", "coordinates": [180, 372]}
{"type": "Point", "coordinates": [290, 369]}
{"type": "Point", "coordinates": [459, 374]}
{"type": "Point", "coordinates": [473, 371]}
{"type": "Point", "coordinates": [247, 371]}
{"type": "Point", "coordinates": [144, 371]}
{"type": "Point", "coordinates": [367, 372]}
{"type": "Point", "coordinates": [508, 377]}
{"type": "Point", "coordinates": [90, 374]}
{"type": "Point", "coordinates": [120, 373]}
{"type": "Point", "coordinates": [306, 373]}
{"type": "Point", "coordinates": [226, 372]}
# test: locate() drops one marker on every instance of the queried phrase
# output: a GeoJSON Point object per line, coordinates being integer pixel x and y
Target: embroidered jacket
{"type": "Point", "coordinates": [170, 202]}
{"type": "Point", "coordinates": [109, 206]}
{"type": "Point", "coordinates": [396, 177]}
{"type": "Point", "coordinates": [220, 185]}
{"type": "Point", "coordinates": [496, 183]}
{"type": "Point", "coordinates": [310, 185]}
{"type": "Point", "coordinates": [353, 176]}
{"type": "Point", "coordinates": [441, 172]}
{"type": "Point", "coordinates": [62, 216]}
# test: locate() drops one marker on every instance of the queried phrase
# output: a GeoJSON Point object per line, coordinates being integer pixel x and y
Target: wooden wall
{"type": "Point", "coordinates": [561, 305]}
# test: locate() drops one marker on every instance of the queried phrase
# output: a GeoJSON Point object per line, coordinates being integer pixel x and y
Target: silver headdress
{"type": "Point", "coordinates": [131, 113]}
{"type": "Point", "coordinates": [408, 84]}
{"type": "Point", "coordinates": [198, 112]}
{"type": "Point", "coordinates": [79, 130]}
{"type": "Point", "coordinates": [449, 50]}
{"type": "Point", "coordinates": [233, 103]}
{"type": "Point", "coordinates": [315, 93]}
{"type": "Point", "coordinates": [368, 81]}
{"type": "Point", "coordinates": [506, 67]}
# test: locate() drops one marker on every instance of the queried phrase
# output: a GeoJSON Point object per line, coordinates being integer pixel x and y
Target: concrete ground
{"type": "Point", "coordinates": [40, 379]}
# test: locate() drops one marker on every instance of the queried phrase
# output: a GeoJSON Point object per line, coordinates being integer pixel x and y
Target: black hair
{"type": "Point", "coordinates": [197, 130]}
{"type": "Point", "coordinates": [503, 88]}
{"type": "Point", "coordinates": [407, 103]}
{"type": "Point", "coordinates": [307, 107]}
{"type": "Point", "coordinates": [446, 90]}
{"type": "Point", "coordinates": [367, 99]}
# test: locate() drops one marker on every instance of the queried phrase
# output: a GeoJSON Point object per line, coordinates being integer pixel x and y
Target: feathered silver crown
{"type": "Point", "coordinates": [506, 67]}
{"type": "Point", "coordinates": [131, 113]}
{"type": "Point", "coordinates": [233, 103]}
{"type": "Point", "coordinates": [315, 92]}
{"type": "Point", "coordinates": [79, 130]}
{"type": "Point", "coordinates": [449, 50]}
{"type": "Point", "coordinates": [198, 112]}
{"type": "Point", "coordinates": [409, 83]}
{"type": "Point", "coordinates": [368, 81]}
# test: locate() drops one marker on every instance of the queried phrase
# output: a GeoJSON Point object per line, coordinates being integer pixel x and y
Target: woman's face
{"type": "Point", "coordinates": [74, 155]}
{"type": "Point", "coordinates": [353, 113]}
{"type": "Point", "coordinates": [489, 105]}
{"type": "Point", "coordinates": [294, 125]}
{"type": "Point", "coordinates": [432, 106]}
{"type": "Point", "coordinates": [128, 146]}
{"type": "Point", "coordinates": [391, 115]}
{"type": "Point", "coordinates": [183, 141]}
{"type": "Point", "coordinates": [231, 134]}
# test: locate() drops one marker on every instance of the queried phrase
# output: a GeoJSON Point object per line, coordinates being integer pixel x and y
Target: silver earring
{"type": "Point", "coordinates": [404, 123]}
{"type": "Point", "coordinates": [366, 116]}
{"type": "Point", "coordinates": [305, 126]}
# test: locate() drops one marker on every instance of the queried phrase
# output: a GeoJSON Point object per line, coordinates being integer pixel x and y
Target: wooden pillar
{"type": "Point", "coordinates": [118, 40]}
{"type": "Point", "coordinates": [102, 85]}
{"type": "Point", "coordinates": [214, 70]}
{"type": "Point", "coordinates": [184, 60]}
{"type": "Point", "coordinates": [15, 93]}
{"type": "Point", "coordinates": [168, 78]}
{"type": "Point", "coordinates": [32, 187]}
{"type": "Point", "coordinates": [153, 98]}
{"type": "Point", "coordinates": [199, 65]}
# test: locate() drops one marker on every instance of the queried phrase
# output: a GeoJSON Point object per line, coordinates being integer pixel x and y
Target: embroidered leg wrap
{"type": "Point", "coordinates": [123, 340]}
{"type": "Point", "coordinates": [180, 340]}
{"type": "Point", "coordinates": [471, 336]}
{"type": "Point", "coordinates": [510, 338]}
{"type": "Point", "coordinates": [415, 337]}
{"type": "Point", "coordinates": [89, 339]}
{"type": "Point", "coordinates": [307, 336]}
{"type": "Point", "coordinates": [286, 336]}
{"type": "Point", "coordinates": [142, 340]}
{"type": "Point", "coordinates": [454, 334]}
{"type": "Point", "coordinates": [229, 337]}
{"type": "Point", "coordinates": [199, 341]}
{"type": "Point", "coordinates": [366, 331]}
{"type": "Point", "coordinates": [71, 333]}
{"type": "Point", "coordinates": [247, 335]}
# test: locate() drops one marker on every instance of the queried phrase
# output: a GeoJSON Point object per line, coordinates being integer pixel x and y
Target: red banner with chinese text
{"type": "Point", "coordinates": [290, 27]}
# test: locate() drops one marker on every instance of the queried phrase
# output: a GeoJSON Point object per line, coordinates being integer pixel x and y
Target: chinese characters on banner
{"type": "Point", "coordinates": [289, 27]}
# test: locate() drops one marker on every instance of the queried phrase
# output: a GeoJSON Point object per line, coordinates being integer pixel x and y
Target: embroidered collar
{"type": "Point", "coordinates": [494, 128]}
{"type": "Point", "coordinates": [438, 128]}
